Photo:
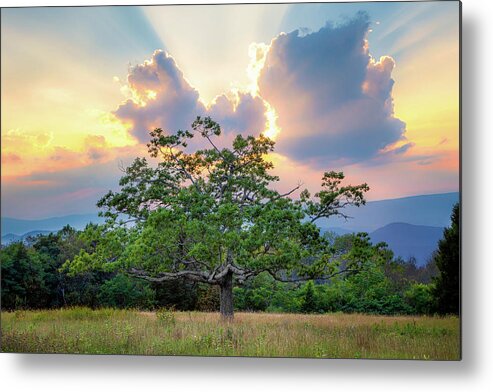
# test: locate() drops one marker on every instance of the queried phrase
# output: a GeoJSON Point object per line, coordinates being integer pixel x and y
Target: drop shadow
{"type": "Point", "coordinates": [33, 364]}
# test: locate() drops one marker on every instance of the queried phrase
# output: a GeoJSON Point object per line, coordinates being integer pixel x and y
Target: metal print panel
{"type": "Point", "coordinates": [267, 180]}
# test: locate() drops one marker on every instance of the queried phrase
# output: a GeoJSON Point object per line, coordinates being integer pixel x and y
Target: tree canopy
{"type": "Point", "coordinates": [213, 216]}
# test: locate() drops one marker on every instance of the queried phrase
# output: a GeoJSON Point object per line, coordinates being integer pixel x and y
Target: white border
{"type": "Point", "coordinates": [114, 373]}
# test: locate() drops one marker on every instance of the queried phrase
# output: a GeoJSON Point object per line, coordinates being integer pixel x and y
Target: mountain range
{"type": "Point", "coordinates": [20, 227]}
{"type": "Point", "coordinates": [424, 210]}
{"type": "Point", "coordinates": [9, 238]}
{"type": "Point", "coordinates": [411, 226]}
{"type": "Point", "coordinates": [408, 240]}
{"type": "Point", "coordinates": [404, 239]}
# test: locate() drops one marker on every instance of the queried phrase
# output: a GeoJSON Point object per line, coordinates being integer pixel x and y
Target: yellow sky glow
{"type": "Point", "coordinates": [55, 113]}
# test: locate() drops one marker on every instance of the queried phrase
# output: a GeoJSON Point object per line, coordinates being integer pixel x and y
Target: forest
{"type": "Point", "coordinates": [33, 278]}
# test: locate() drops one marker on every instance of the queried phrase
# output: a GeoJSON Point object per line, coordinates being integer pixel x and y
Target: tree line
{"type": "Point", "coordinates": [33, 277]}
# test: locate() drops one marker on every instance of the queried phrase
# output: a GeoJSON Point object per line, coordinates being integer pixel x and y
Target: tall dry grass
{"type": "Point", "coordinates": [110, 331]}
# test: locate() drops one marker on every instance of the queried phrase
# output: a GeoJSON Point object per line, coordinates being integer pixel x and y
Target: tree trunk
{"type": "Point", "coordinates": [226, 306]}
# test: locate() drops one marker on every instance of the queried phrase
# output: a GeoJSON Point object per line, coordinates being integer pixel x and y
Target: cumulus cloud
{"type": "Point", "coordinates": [242, 114]}
{"type": "Point", "coordinates": [160, 96]}
{"type": "Point", "coordinates": [333, 100]}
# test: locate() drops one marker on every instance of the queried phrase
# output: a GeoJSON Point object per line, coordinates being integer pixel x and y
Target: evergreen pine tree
{"type": "Point", "coordinates": [309, 303]}
{"type": "Point", "coordinates": [447, 260]}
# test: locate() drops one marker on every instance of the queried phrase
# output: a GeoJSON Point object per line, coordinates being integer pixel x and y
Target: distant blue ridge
{"type": "Point", "coordinates": [21, 226]}
{"type": "Point", "coordinates": [425, 210]}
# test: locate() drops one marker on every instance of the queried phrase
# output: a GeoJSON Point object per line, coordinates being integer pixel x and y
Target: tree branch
{"type": "Point", "coordinates": [305, 278]}
{"type": "Point", "coordinates": [300, 184]}
{"type": "Point", "coordinates": [197, 276]}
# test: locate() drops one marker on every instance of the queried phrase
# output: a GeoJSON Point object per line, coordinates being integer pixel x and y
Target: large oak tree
{"type": "Point", "coordinates": [212, 216]}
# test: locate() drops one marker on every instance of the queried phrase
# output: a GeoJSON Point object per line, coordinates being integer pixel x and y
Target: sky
{"type": "Point", "coordinates": [370, 89]}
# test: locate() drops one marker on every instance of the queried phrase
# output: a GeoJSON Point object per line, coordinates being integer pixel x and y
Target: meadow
{"type": "Point", "coordinates": [337, 335]}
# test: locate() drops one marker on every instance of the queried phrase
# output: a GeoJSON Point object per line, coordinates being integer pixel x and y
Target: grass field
{"type": "Point", "coordinates": [109, 331]}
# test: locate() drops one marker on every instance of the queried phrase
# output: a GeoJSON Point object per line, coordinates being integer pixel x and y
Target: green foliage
{"type": "Point", "coordinates": [420, 298]}
{"type": "Point", "coordinates": [384, 286]}
{"type": "Point", "coordinates": [212, 215]}
{"type": "Point", "coordinates": [366, 290]}
{"type": "Point", "coordinates": [32, 276]}
{"type": "Point", "coordinates": [309, 304]}
{"type": "Point", "coordinates": [23, 284]}
{"type": "Point", "coordinates": [447, 260]}
{"type": "Point", "coordinates": [207, 298]}
{"type": "Point", "coordinates": [53, 250]}
{"type": "Point", "coordinates": [256, 295]}
{"type": "Point", "coordinates": [125, 292]}
{"type": "Point", "coordinates": [404, 272]}
{"type": "Point", "coordinates": [264, 293]}
{"type": "Point", "coordinates": [166, 316]}
{"type": "Point", "coordinates": [370, 291]}
{"type": "Point", "coordinates": [178, 294]}
{"type": "Point", "coordinates": [380, 285]}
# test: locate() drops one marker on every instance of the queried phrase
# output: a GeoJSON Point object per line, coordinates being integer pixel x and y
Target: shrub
{"type": "Point", "coordinates": [166, 316]}
{"type": "Point", "coordinates": [125, 292]}
{"type": "Point", "coordinates": [309, 304]}
{"type": "Point", "coordinates": [420, 298]}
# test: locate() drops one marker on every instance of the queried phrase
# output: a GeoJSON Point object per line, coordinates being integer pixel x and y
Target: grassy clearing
{"type": "Point", "coordinates": [111, 331]}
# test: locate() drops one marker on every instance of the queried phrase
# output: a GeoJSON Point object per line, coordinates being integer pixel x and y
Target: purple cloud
{"type": "Point", "coordinates": [333, 101]}
{"type": "Point", "coordinates": [163, 98]}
